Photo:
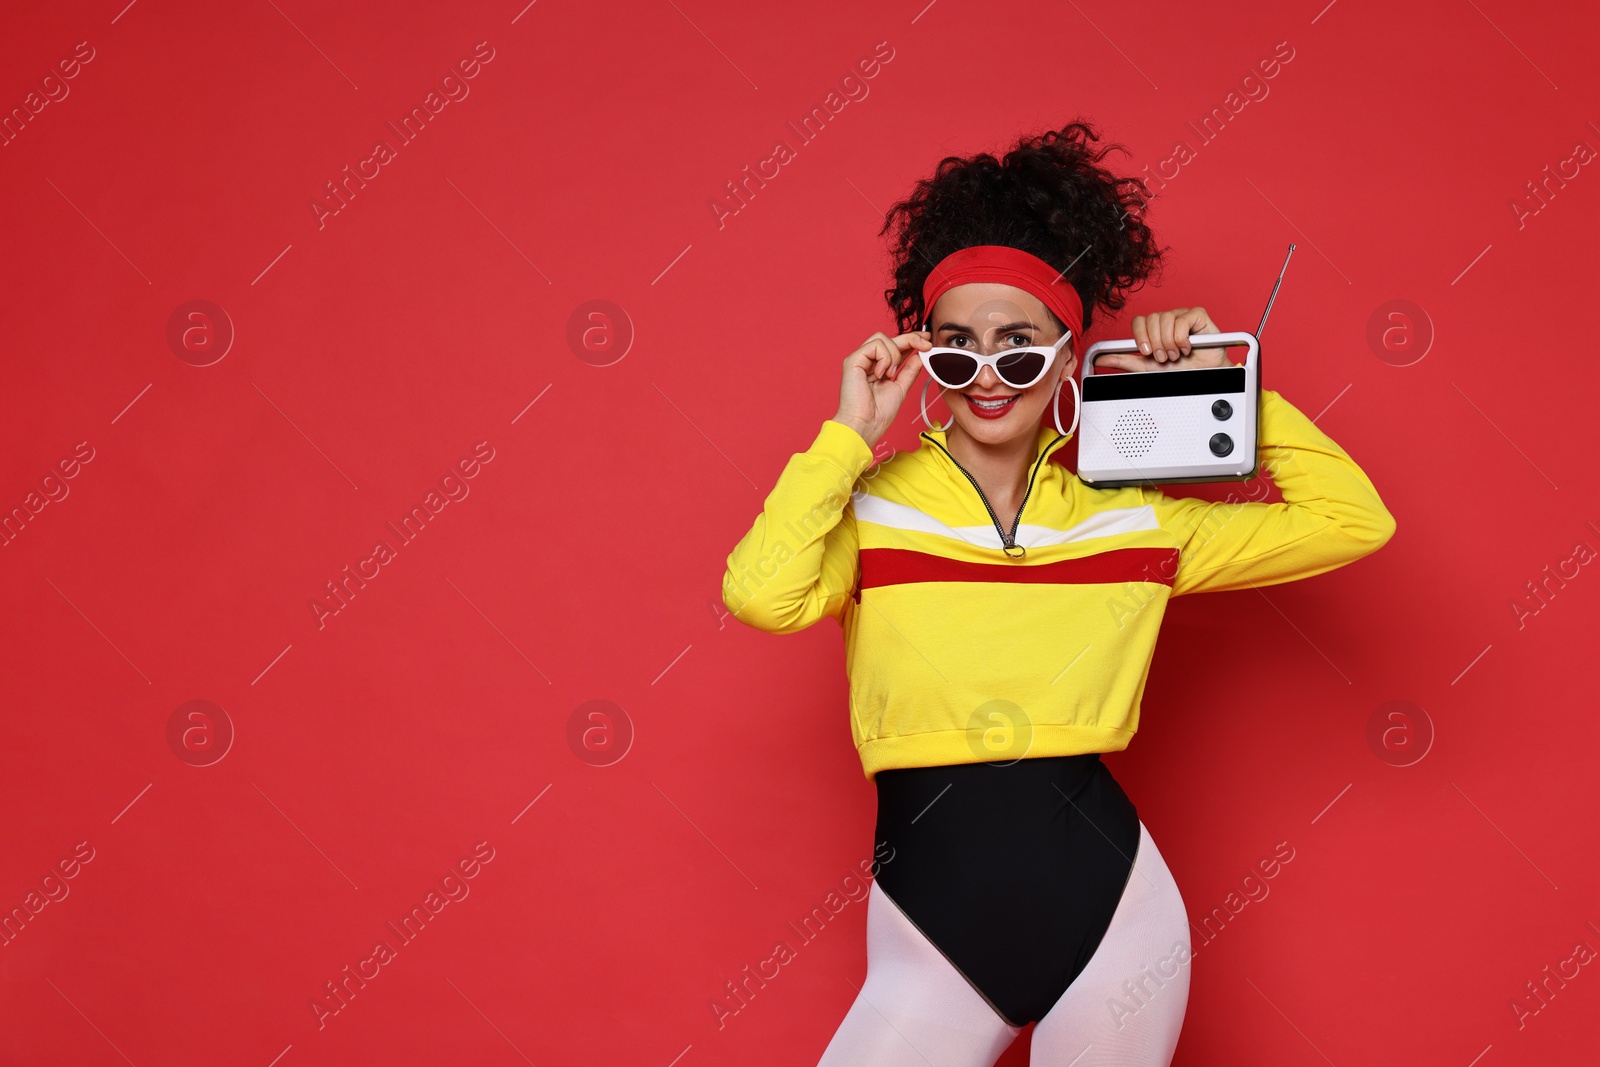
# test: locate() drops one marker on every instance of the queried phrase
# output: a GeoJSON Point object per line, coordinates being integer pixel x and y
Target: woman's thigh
{"type": "Point", "coordinates": [914, 1009]}
{"type": "Point", "coordinates": [1126, 1008]}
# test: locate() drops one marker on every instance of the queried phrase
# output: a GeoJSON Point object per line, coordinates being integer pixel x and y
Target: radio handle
{"type": "Point", "coordinates": [1198, 340]}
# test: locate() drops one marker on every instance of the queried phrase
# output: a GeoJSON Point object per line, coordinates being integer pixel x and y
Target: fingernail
{"type": "Point", "coordinates": [1144, 347]}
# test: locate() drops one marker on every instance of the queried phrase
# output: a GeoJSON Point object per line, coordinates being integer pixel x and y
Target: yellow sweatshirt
{"type": "Point", "coordinates": [958, 652]}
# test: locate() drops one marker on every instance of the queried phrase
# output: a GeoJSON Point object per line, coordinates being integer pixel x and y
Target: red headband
{"type": "Point", "coordinates": [1009, 266]}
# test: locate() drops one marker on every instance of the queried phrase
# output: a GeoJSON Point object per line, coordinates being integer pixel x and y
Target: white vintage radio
{"type": "Point", "coordinates": [1200, 425]}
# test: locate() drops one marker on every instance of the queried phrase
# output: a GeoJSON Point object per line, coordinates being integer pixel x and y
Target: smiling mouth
{"type": "Point", "coordinates": [991, 406]}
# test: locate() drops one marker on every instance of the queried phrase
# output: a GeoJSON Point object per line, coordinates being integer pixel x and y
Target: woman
{"type": "Point", "coordinates": [1000, 615]}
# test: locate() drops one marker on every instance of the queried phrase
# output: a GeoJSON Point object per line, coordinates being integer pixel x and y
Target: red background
{"type": "Point", "coordinates": [373, 751]}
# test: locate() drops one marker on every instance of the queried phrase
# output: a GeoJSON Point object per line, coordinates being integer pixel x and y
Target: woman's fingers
{"type": "Point", "coordinates": [910, 344]}
{"type": "Point", "coordinates": [1158, 338]}
{"type": "Point", "coordinates": [1198, 322]}
{"type": "Point", "coordinates": [875, 352]}
{"type": "Point", "coordinates": [890, 352]}
{"type": "Point", "coordinates": [1182, 327]}
{"type": "Point", "coordinates": [1193, 321]}
{"type": "Point", "coordinates": [1163, 339]}
{"type": "Point", "coordinates": [1164, 335]}
{"type": "Point", "coordinates": [1175, 334]}
{"type": "Point", "coordinates": [1143, 334]}
{"type": "Point", "coordinates": [905, 376]}
{"type": "Point", "coordinates": [893, 349]}
{"type": "Point", "coordinates": [1154, 334]}
{"type": "Point", "coordinates": [886, 353]}
{"type": "Point", "coordinates": [860, 360]}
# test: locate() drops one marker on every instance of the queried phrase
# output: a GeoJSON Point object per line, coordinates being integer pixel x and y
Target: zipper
{"type": "Point", "coordinates": [1008, 541]}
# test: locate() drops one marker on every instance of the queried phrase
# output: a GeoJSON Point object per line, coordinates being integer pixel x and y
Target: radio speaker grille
{"type": "Point", "coordinates": [1134, 432]}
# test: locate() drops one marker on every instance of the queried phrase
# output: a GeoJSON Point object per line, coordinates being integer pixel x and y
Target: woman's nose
{"type": "Point", "coordinates": [988, 379]}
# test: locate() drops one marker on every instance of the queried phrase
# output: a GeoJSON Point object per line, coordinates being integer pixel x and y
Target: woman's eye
{"type": "Point", "coordinates": [1022, 339]}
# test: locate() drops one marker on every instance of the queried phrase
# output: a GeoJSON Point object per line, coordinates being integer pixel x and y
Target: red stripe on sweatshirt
{"type": "Point", "coordinates": [902, 566]}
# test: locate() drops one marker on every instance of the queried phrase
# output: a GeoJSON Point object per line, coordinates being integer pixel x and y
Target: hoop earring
{"type": "Point", "coordinates": [929, 422]}
{"type": "Point", "coordinates": [1077, 407]}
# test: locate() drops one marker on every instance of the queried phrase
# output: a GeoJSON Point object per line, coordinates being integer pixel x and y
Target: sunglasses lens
{"type": "Point", "coordinates": [1020, 370]}
{"type": "Point", "coordinates": [952, 368]}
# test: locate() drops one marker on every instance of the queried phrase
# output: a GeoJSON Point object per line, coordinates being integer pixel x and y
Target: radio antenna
{"type": "Point", "coordinates": [1274, 295]}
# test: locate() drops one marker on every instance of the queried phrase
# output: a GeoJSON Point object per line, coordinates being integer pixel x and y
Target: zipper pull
{"type": "Point", "coordinates": [1018, 554]}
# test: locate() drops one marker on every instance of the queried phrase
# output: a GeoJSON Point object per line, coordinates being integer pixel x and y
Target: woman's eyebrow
{"type": "Point", "coordinates": [956, 327]}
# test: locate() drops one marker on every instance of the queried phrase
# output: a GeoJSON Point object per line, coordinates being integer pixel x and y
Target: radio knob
{"type": "Point", "coordinates": [1222, 410]}
{"type": "Point", "coordinates": [1221, 443]}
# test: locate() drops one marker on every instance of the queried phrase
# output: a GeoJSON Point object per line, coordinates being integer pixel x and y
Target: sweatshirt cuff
{"type": "Point", "coordinates": [843, 446]}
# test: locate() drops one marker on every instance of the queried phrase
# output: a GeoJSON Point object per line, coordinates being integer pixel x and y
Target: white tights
{"type": "Point", "coordinates": [1125, 1010]}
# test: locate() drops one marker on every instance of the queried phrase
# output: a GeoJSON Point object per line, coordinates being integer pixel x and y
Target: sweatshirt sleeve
{"type": "Point", "coordinates": [1330, 515]}
{"type": "Point", "coordinates": [799, 561]}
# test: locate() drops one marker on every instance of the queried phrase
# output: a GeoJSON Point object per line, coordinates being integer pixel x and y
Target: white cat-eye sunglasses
{"type": "Point", "coordinates": [957, 368]}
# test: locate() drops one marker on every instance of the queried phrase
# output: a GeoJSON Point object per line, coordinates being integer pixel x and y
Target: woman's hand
{"type": "Point", "coordinates": [877, 377]}
{"type": "Point", "coordinates": [1163, 338]}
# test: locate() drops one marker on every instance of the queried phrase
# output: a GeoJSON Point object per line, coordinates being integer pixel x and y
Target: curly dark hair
{"type": "Point", "coordinates": [1047, 195]}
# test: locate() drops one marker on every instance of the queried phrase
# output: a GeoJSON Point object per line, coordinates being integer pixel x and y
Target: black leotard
{"type": "Point", "coordinates": [1013, 870]}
